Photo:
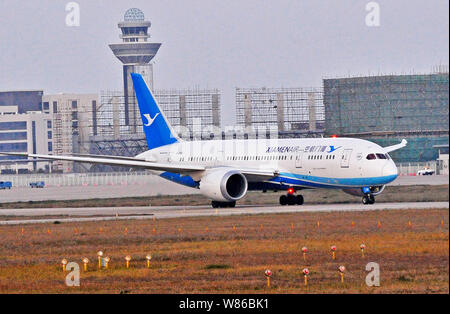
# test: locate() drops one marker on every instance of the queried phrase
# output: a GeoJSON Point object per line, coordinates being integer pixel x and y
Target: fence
{"type": "Point", "coordinates": [411, 168]}
{"type": "Point", "coordinates": [141, 177]}
{"type": "Point", "coordinates": [83, 179]}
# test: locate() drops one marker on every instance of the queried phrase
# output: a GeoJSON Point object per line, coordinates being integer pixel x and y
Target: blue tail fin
{"type": "Point", "coordinates": [156, 127]}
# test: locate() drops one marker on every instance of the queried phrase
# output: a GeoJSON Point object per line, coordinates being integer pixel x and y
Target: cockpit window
{"type": "Point", "coordinates": [381, 156]}
{"type": "Point", "coordinates": [371, 157]}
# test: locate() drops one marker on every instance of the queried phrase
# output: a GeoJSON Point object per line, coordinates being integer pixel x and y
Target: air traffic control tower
{"type": "Point", "coordinates": [135, 53]}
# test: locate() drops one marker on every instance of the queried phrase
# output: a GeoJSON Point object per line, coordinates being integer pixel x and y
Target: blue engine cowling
{"type": "Point", "coordinates": [372, 190]}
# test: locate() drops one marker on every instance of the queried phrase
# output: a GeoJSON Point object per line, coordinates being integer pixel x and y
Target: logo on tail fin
{"type": "Point", "coordinates": [149, 119]}
{"type": "Point", "coordinates": [160, 133]}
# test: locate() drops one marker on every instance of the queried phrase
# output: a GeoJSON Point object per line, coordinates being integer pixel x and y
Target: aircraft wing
{"type": "Point", "coordinates": [395, 147]}
{"type": "Point", "coordinates": [257, 175]}
{"type": "Point", "coordinates": [119, 161]}
{"type": "Point", "coordinates": [252, 175]}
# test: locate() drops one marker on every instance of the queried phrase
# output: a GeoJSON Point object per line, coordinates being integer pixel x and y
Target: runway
{"type": "Point", "coordinates": [167, 212]}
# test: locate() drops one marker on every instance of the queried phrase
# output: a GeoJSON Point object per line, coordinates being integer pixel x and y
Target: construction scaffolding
{"type": "Point", "coordinates": [387, 109]}
{"type": "Point", "coordinates": [193, 110]}
{"type": "Point", "coordinates": [96, 124]}
{"type": "Point", "coordinates": [188, 111]}
{"type": "Point", "coordinates": [387, 103]}
{"type": "Point", "coordinates": [288, 110]}
{"type": "Point", "coordinates": [72, 123]}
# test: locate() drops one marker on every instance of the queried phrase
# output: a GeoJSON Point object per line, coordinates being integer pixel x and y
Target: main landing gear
{"type": "Point", "coordinates": [368, 199]}
{"type": "Point", "coordinates": [216, 204]}
{"type": "Point", "coordinates": [291, 199]}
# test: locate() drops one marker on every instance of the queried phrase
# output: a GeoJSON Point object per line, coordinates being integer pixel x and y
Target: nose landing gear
{"type": "Point", "coordinates": [368, 199]}
{"type": "Point", "coordinates": [291, 199]}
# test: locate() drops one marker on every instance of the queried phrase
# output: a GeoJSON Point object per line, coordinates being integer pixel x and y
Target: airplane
{"type": "Point", "coordinates": [225, 170]}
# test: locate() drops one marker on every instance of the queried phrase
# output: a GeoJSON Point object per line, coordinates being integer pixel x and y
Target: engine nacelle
{"type": "Point", "coordinates": [374, 190]}
{"type": "Point", "coordinates": [224, 185]}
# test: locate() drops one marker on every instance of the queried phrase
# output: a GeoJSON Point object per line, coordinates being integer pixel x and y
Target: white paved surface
{"type": "Point", "coordinates": [420, 180]}
{"type": "Point", "coordinates": [63, 193]}
{"type": "Point", "coordinates": [159, 187]}
{"type": "Point", "coordinates": [164, 212]}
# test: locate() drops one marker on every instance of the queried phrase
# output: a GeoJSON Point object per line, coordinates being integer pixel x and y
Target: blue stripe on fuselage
{"type": "Point", "coordinates": [323, 182]}
{"type": "Point", "coordinates": [288, 179]}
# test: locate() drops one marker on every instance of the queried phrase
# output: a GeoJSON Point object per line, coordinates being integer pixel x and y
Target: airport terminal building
{"type": "Point", "coordinates": [29, 132]}
{"type": "Point", "coordinates": [386, 109]}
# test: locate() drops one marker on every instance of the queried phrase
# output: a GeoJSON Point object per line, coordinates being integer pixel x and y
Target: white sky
{"type": "Point", "coordinates": [220, 44]}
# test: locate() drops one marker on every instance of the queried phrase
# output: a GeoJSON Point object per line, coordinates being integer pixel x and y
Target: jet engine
{"type": "Point", "coordinates": [224, 185]}
{"type": "Point", "coordinates": [374, 190]}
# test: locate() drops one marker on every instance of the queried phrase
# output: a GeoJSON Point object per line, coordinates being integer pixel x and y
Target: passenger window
{"type": "Point", "coordinates": [381, 156]}
{"type": "Point", "coordinates": [371, 157]}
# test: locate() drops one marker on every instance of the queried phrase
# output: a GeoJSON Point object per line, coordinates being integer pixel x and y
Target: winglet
{"type": "Point", "coordinates": [395, 147]}
{"type": "Point", "coordinates": [156, 126]}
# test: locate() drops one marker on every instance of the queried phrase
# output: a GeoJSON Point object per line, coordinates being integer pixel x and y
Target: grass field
{"type": "Point", "coordinates": [415, 193]}
{"type": "Point", "coordinates": [230, 254]}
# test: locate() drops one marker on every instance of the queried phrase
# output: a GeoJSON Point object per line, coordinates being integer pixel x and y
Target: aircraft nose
{"type": "Point", "coordinates": [390, 170]}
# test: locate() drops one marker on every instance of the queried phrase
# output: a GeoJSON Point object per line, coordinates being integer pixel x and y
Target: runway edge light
{"type": "Point", "coordinates": [306, 273]}
{"type": "Point", "coordinates": [268, 274]}
{"type": "Point", "coordinates": [107, 260]}
{"type": "Point", "coordinates": [362, 247]}
{"type": "Point", "coordinates": [99, 255]}
{"type": "Point", "coordinates": [85, 263]}
{"type": "Point", "coordinates": [64, 263]}
{"type": "Point", "coordinates": [128, 259]}
{"type": "Point", "coordinates": [341, 272]}
{"type": "Point", "coordinates": [304, 250]}
{"type": "Point", "coordinates": [333, 251]}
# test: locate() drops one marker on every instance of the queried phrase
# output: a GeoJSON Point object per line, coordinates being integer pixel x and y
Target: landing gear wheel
{"type": "Point", "coordinates": [216, 204]}
{"type": "Point", "coordinates": [291, 200]}
{"type": "Point", "coordinates": [299, 200]}
{"type": "Point", "coordinates": [368, 200]}
{"type": "Point", "coordinates": [283, 200]}
{"type": "Point", "coordinates": [365, 200]}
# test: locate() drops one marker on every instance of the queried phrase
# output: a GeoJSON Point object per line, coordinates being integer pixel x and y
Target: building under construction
{"type": "Point", "coordinates": [386, 109]}
{"type": "Point", "coordinates": [192, 113]}
{"type": "Point", "coordinates": [185, 109]}
{"type": "Point", "coordinates": [292, 112]}
{"type": "Point", "coordinates": [73, 122]}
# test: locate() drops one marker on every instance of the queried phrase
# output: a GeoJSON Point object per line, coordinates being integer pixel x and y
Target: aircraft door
{"type": "Point", "coordinates": [345, 161]}
{"type": "Point", "coordinates": [298, 160]}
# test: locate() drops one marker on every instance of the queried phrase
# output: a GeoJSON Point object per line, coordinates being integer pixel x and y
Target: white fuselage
{"type": "Point", "coordinates": [301, 163]}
